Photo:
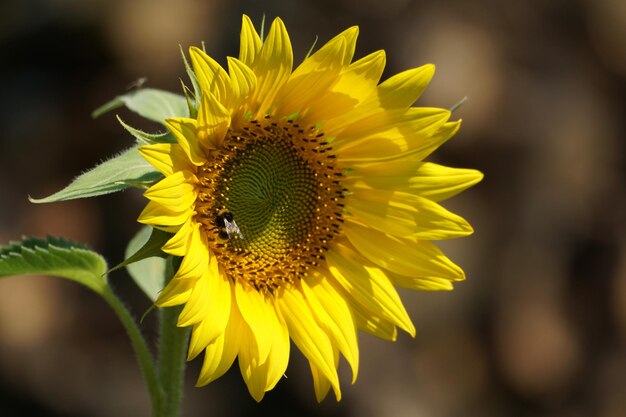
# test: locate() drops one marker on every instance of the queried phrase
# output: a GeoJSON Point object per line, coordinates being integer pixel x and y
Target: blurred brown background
{"type": "Point", "coordinates": [539, 327]}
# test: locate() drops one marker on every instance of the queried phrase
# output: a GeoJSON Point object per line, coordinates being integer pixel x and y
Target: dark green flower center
{"type": "Point", "coordinates": [272, 202]}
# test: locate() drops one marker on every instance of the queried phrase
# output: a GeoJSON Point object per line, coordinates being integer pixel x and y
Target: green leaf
{"type": "Point", "coordinates": [55, 257]}
{"type": "Point", "coordinates": [125, 170]}
{"type": "Point", "coordinates": [145, 261]}
{"type": "Point", "coordinates": [153, 104]}
{"type": "Point", "coordinates": [144, 138]}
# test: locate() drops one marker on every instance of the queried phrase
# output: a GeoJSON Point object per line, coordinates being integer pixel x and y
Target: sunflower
{"type": "Point", "coordinates": [298, 200]}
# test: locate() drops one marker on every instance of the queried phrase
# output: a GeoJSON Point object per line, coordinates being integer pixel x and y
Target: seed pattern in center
{"type": "Point", "coordinates": [270, 202]}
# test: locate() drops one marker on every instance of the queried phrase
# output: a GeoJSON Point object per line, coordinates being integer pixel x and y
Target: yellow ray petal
{"type": "Point", "coordinates": [184, 130]}
{"type": "Point", "coordinates": [390, 133]}
{"type": "Point", "coordinates": [321, 384]}
{"type": "Point", "coordinates": [250, 42]}
{"type": "Point", "coordinates": [243, 83]}
{"type": "Point", "coordinates": [312, 341]}
{"type": "Point", "coordinates": [212, 78]}
{"type": "Point", "coordinates": [195, 263]}
{"type": "Point", "coordinates": [403, 89]}
{"type": "Point", "coordinates": [435, 182]}
{"type": "Point", "coordinates": [396, 93]}
{"type": "Point", "coordinates": [218, 305]}
{"type": "Point", "coordinates": [209, 303]}
{"type": "Point", "coordinates": [352, 87]}
{"type": "Point", "coordinates": [260, 315]}
{"type": "Point", "coordinates": [177, 245]}
{"type": "Point", "coordinates": [213, 122]}
{"type": "Point", "coordinates": [317, 74]}
{"type": "Point", "coordinates": [249, 364]}
{"type": "Point", "coordinates": [166, 157]}
{"type": "Point", "coordinates": [333, 314]}
{"type": "Point", "coordinates": [272, 67]}
{"type": "Point", "coordinates": [421, 284]}
{"type": "Point", "coordinates": [262, 377]}
{"type": "Point", "coordinates": [405, 215]}
{"type": "Point", "coordinates": [156, 215]}
{"type": "Point", "coordinates": [373, 324]}
{"type": "Point", "coordinates": [176, 192]}
{"type": "Point", "coordinates": [369, 286]}
{"type": "Point", "coordinates": [426, 147]}
{"type": "Point", "coordinates": [278, 359]}
{"type": "Point", "coordinates": [438, 182]}
{"type": "Point", "coordinates": [220, 355]}
{"type": "Point", "coordinates": [176, 292]}
{"type": "Point", "coordinates": [410, 257]}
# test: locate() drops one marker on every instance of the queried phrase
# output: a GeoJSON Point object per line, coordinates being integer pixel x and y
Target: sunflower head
{"type": "Point", "coordinates": [298, 199]}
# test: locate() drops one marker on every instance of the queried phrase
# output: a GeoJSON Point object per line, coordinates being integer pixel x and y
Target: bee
{"type": "Point", "coordinates": [137, 84]}
{"type": "Point", "coordinates": [227, 226]}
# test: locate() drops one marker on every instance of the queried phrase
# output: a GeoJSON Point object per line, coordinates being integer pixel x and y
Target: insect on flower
{"type": "Point", "coordinates": [228, 228]}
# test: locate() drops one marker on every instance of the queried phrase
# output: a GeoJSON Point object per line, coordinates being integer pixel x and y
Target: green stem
{"type": "Point", "coordinates": [172, 356]}
{"type": "Point", "coordinates": [144, 357]}
{"type": "Point", "coordinates": [172, 352]}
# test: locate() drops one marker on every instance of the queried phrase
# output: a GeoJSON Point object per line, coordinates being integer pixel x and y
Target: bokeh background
{"type": "Point", "coordinates": [539, 327]}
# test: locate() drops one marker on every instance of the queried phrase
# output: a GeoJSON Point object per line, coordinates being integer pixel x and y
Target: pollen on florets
{"type": "Point", "coordinates": [270, 202]}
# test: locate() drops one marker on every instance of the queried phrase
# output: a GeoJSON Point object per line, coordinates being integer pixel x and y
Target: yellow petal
{"type": "Point", "coordinates": [220, 355]}
{"type": "Point", "coordinates": [369, 286]}
{"type": "Point", "coordinates": [262, 377]}
{"type": "Point", "coordinates": [243, 83]}
{"type": "Point", "coordinates": [209, 304]}
{"type": "Point", "coordinates": [156, 215]}
{"type": "Point", "coordinates": [176, 292]}
{"type": "Point", "coordinates": [396, 93]}
{"type": "Point", "coordinates": [217, 311]}
{"type": "Point", "coordinates": [410, 257]}
{"type": "Point", "coordinates": [405, 215]}
{"type": "Point", "coordinates": [421, 284]}
{"type": "Point", "coordinates": [211, 76]}
{"type": "Point", "coordinates": [390, 133]}
{"type": "Point", "coordinates": [403, 89]}
{"type": "Point", "coordinates": [272, 67]}
{"type": "Point", "coordinates": [408, 174]}
{"type": "Point", "coordinates": [260, 315]}
{"type": "Point", "coordinates": [184, 130]}
{"type": "Point", "coordinates": [177, 245]}
{"type": "Point", "coordinates": [176, 192]}
{"type": "Point", "coordinates": [213, 122]}
{"type": "Point", "coordinates": [374, 324]}
{"type": "Point", "coordinates": [321, 384]}
{"type": "Point", "coordinates": [333, 314]}
{"type": "Point", "coordinates": [317, 74]}
{"type": "Point", "coordinates": [249, 364]}
{"type": "Point", "coordinates": [195, 263]}
{"type": "Point", "coordinates": [278, 359]}
{"type": "Point", "coordinates": [166, 157]}
{"type": "Point", "coordinates": [438, 182]}
{"type": "Point", "coordinates": [352, 87]}
{"type": "Point", "coordinates": [250, 42]}
{"type": "Point", "coordinates": [312, 341]}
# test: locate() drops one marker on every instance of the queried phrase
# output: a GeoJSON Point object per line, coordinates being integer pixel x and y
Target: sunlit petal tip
{"type": "Point", "coordinates": [250, 42]}
{"type": "Point", "coordinates": [184, 130]}
{"type": "Point", "coordinates": [174, 293]}
{"type": "Point", "coordinates": [478, 176]}
{"type": "Point", "coordinates": [350, 36]}
{"type": "Point", "coordinates": [425, 73]}
{"type": "Point", "coordinates": [196, 53]}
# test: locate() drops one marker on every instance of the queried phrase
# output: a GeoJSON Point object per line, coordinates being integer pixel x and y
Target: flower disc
{"type": "Point", "coordinates": [270, 201]}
